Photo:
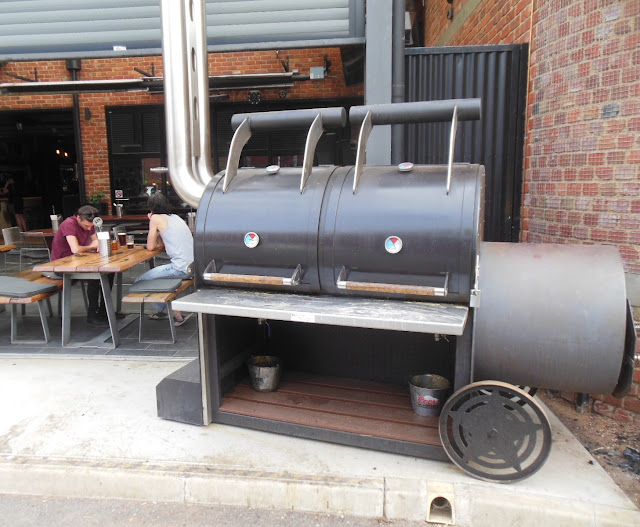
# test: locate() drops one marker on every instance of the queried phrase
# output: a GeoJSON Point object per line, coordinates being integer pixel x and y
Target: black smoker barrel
{"type": "Point", "coordinates": [341, 241]}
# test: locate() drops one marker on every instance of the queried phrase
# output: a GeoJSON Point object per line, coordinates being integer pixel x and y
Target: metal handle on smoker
{"type": "Point", "coordinates": [317, 119]}
{"type": "Point", "coordinates": [377, 287]}
{"type": "Point", "coordinates": [211, 275]}
{"type": "Point", "coordinates": [408, 113]}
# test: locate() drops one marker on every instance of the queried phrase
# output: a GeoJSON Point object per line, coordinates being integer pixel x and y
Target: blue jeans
{"type": "Point", "coordinates": [162, 271]}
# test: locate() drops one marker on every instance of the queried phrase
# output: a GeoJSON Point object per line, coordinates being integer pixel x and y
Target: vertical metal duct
{"type": "Point", "coordinates": [74, 66]}
{"type": "Point", "coordinates": [186, 97]}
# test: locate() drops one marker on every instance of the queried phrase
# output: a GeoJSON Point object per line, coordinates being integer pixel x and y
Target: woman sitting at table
{"type": "Point", "coordinates": [77, 235]}
{"type": "Point", "coordinates": [171, 231]}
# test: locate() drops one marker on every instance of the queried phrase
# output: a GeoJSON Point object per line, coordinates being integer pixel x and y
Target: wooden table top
{"type": "Point", "coordinates": [91, 262]}
{"type": "Point", "coordinates": [6, 248]}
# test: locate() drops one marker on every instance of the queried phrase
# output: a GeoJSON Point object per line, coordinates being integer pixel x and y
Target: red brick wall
{"type": "Point", "coordinates": [626, 409]}
{"type": "Point", "coordinates": [493, 22]}
{"type": "Point", "coordinates": [94, 131]}
{"type": "Point", "coordinates": [582, 149]}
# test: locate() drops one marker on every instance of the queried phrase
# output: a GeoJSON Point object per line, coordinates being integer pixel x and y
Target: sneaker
{"type": "Point", "coordinates": [103, 316]}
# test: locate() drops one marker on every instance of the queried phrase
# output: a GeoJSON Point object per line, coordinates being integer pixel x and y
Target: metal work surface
{"type": "Point", "coordinates": [418, 317]}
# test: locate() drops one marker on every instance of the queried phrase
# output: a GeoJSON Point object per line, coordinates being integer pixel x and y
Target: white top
{"type": "Point", "coordinates": [178, 242]}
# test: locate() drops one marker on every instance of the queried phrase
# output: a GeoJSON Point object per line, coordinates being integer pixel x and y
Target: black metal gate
{"type": "Point", "coordinates": [497, 75]}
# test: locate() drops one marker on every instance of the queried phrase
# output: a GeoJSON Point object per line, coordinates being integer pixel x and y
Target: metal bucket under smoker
{"type": "Point", "coordinates": [264, 372]}
{"type": "Point", "coordinates": [428, 394]}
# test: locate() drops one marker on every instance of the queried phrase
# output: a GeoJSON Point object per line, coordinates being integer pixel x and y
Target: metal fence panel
{"type": "Point", "coordinates": [497, 75]}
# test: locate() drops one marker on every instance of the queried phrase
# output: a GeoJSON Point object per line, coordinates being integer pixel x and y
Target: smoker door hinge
{"type": "Point", "coordinates": [474, 300]}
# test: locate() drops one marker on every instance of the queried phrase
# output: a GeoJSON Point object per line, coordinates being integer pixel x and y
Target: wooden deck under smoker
{"type": "Point", "coordinates": [332, 403]}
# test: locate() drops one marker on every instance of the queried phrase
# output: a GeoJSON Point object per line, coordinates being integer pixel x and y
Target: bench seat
{"type": "Point", "coordinates": [161, 297]}
{"type": "Point", "coordinates": [14, 302]}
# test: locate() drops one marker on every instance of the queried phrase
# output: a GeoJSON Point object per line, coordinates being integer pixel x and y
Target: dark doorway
{"type": "Point", "coordinates": [37, 150]}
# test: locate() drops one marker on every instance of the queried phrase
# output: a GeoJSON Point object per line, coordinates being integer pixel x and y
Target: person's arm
{"type": "Point", "coordinates": [77, 248]}
{"type": "Point", "coordinates": [153, 238]}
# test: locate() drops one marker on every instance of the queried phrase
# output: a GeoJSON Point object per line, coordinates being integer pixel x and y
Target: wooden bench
{"type": "Point", "coordinates": [14, 302]}
{"type": "Point", "coordinates": [158, 298]}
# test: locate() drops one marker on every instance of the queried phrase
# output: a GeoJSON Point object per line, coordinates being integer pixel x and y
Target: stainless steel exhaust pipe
{"type": "Point", "coordinates": [186, 96]}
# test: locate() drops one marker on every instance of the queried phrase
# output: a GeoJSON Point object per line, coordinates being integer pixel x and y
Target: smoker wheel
{"type": "Point", "coordinates": [530, 390]}
{"type": "Point", "coordinates": [495, 431]}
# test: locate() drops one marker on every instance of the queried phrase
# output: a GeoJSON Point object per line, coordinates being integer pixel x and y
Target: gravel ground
{"type": "Point", "coordinates": [615, 445]}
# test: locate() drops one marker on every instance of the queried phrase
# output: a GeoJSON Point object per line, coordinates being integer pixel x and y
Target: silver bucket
{"type": "Point", "coordinates": [428, 394]}
{"type": "Point", "coordinates": [264, 372]}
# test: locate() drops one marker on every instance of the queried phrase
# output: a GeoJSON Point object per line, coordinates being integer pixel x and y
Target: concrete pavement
{"type": "Point", "coordinates": [87, 427]}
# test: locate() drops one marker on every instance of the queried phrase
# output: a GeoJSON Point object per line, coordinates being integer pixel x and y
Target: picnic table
{"type": "Point", "coordinates": [93, 266]}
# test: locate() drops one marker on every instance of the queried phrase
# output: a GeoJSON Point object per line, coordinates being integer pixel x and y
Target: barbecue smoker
{"type": "Point", "coordinates": [359, 277]}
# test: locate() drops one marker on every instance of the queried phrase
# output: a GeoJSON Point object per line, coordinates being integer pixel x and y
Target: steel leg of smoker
{"type": "Point", "coordinates": [204, 328]}
{"type": "Point", "coordinates": [462, 374]}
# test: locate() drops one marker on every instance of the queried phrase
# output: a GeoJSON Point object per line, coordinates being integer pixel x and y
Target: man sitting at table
{"type": "Point", "coordinates": [171, 231]}
{"type": "Point", "coordinates": [77, 235]}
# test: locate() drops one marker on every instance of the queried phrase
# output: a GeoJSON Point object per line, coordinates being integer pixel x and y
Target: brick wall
{"type": "Point", "coordinates": [492, 22]}
{"type": "Point", "coordinates": [626, 409]}
{"type": "Point", "coordinates": [94, 131]}
{"type": "Point", "coordinates": [582, 147]}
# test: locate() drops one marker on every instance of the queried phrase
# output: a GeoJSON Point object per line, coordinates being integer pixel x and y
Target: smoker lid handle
{"type": "Point", "coordinates": [212, 275]}
{"type": "Point", "coordinates": [335, 117]}
{"type": "Point", "coordinates": [377, 287]}
{"type": "Point", "coordinates": [417, 112]}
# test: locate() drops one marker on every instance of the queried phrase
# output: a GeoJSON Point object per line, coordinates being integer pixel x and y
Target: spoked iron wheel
{"type": "Point", "coordinates": [530, 390]}
{"type": "Point", "coordinates": [495, 431]}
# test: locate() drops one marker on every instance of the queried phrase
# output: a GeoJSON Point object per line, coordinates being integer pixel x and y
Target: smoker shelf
{"type": "Point", "coordinates": [419, 317]}
{"type": "Point", "coordinates": [332, 403]}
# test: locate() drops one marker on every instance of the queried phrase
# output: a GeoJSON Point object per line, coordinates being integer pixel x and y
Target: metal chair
{"type": "Point", "coordinates": [12, 236]}
{"type": "Point", "coordinates": [34, 247]}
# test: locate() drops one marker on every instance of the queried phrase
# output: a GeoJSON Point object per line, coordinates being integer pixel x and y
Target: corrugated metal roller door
{"type": "Point", "coordinates": [41, 29]}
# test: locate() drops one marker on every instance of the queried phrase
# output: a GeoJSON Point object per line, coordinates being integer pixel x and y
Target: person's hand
{"type": "Point", "coordinates": [93, 245]}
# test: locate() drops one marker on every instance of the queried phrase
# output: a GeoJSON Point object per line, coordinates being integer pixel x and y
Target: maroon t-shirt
{"type": "Point", "coordinates": [69, 227]}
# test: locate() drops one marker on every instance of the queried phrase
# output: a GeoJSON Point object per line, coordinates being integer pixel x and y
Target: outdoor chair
{"type": "Point", "coordinates": [12, 236]}
{"type": "Point", "coordinates": [34, 249]}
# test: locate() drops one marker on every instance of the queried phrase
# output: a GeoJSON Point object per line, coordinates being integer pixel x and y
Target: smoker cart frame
{"type": "Point", "coordinates": [215, 305]}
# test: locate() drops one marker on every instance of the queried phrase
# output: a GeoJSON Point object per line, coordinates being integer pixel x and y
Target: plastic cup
{"type": "Point", "coordinates": [122, 239]}
{"type": "Point", "coordinates": [130, 241]}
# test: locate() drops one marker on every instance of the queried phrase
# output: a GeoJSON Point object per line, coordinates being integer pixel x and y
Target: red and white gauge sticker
{"type": "Point", "coordinates": [251, 240]}
{"type": "Point", "coordinates": [393, 244]}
